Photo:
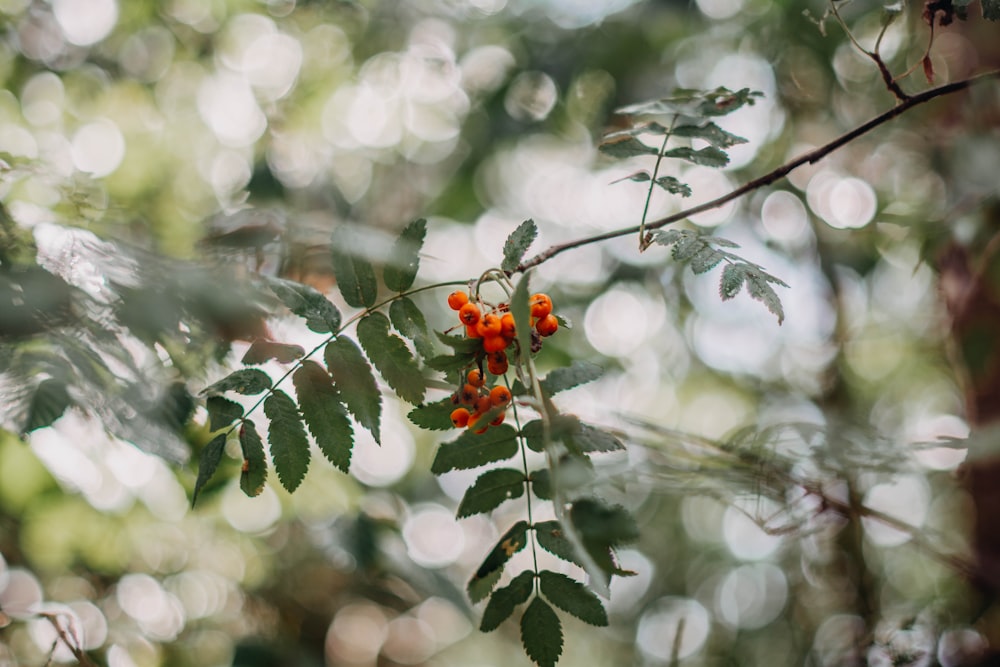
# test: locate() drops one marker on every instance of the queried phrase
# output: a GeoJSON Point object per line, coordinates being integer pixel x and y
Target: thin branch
{"type": "Point", "coordinates": [809, 158]}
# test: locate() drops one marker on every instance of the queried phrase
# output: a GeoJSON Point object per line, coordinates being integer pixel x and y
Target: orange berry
{"type": "Point", "coordinates": [497, 366]}
{"type": "Point", "coordinates": [494, 343]}
{"type": "Point", "coordinates": [488, 325]}
{"type": "Point", "coordinates": [507, 326]}
{"type": "Point", "coordinates": [475, 424]}
{"type": "Point", "coordinates": [541, 305]}
{"type": "Point", "coordinates": [468, 394]}
{"type": "Point", "coordinates": [547, 325]}
{"type": "Point", "coordinates": [475, 378]}
{"type": "Point", "coordinates": [457, 299]}
{"type": "Point", "coordinates": [471, 332]}
{"type": "Point", "coordinates": [483, 404]}
{"type": "Point", "coordinates": [500, 396]}
{"type": "Point", "coordinates": [499, 419]}
{"type": "Point", "coordinates": [469, 314]}
{"type": "Point", "coordinates": [460, 417]}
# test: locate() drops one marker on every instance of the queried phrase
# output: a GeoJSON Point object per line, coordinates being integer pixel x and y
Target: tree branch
{"type": "Point", "coordinates": [809, 158]}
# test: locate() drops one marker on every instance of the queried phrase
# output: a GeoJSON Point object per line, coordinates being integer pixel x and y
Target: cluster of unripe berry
{"type": "Point", "coordinates": [496, 330]}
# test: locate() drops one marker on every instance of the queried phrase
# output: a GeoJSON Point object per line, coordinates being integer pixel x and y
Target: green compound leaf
{"type": "Point", "coordinates": [624, 147]}
{"type": "Point", "coordinates": [668, 183]}
{"type": "Point", "coordinates": [488, 574]}
{"type": "Point", "coordinates": [409, 321]}
{"type": "Point", "coordinates": [710, 156]}
{"type": "Point", "coordinates": [461, 344]}
{"type": "Point", "coordinates": [758, 283]}
{"type": "Point", "coordinates": [324, 413]}
{"type": "Point", "coordinates": [289, 445]}
{"type": "Point", "coordinates": [247, 381]}
{"type": "Point", "coordinates": [576, 374]}
{"type": "Point", "coordinates": [694, 103]}
{"type": "Point", "coordinates": [490, 491]}
{"type": "Point", "coordinates": [550, 537]}
{"type": "Point", "coordinates": [572, 597]}
{"type": "Point", "coordinates": [208, 462]}
{"type": "Point", "coordinates": [433, 416]}
{"type": "Point", "coordinates": [265, 350]}
{"type": "Point", "coordinates": [254, 472]}
{"type": "Point", "coordinates": [449, 363]}
{"type": "Point", "coordinates": [517, 244]}
{"type": "Point", "coordinates": [48, 404]}
{"type": "Point", "coordinates": [404, 257]}
{"type": "Point", "coordinates": [705, 259]}
{"type": "Point", "coordinates": [578, 437]}
{"type": "Point", "coordinates": [391, 358]}
{"type": "Point", "coordinates": [668, 237]}
{"type": "Point", "coordinates": [541, 633]}
{"type": "Point", "coordinates": [588, 439]}
{"type": "Point", "coordinates": [541, 484]}
{"type": "Point", "coordinates": [520, 308]}
{"type": "Point", "coordinates": [320, 315]}
{"type": "Point", "coordinates": [355, 275]}
{"type": "Point", "coordinates": [222, 412]}
{"type": "Point", "coordinates": [471, 451]}
{"type": "Point", "coordinates": [356, 383]}
{"type": "Point", "coordinates": [506, 599]}
{"type": "Point", "coordinates": [711, 133]}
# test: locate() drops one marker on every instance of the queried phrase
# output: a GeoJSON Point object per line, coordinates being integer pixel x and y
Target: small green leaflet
{"type": "Point", "coordinates": [588, 439]}
{"type": "Point", "coordinates": [572, 597]}
{"type": "Point", "coordinates": [461, 344]}
{"type": "Point", "coordinates": [578, 437]}
{"type": "Point", "coordinates": [222, 412]}
{"type": "Point", "coordinates": [577, 373]}
{"type": "Point", "coordinates": [289, 445]}
{"type": "Point", "coordinates": [491, 489]}
{"type": "Point", "coordinates": [324, 413]}
{"type": "Point", "coordinates": [503, 602]}
{"type": "Point", "coordinates": [391, 358]}
{"type": "Point", "coordinates": [758, 284]}
{"type": "Point", "coordinates": [247, 381]}
{"type": "Point", "coordinates": [355, 275]}
{"type": "Point", "coordinates": [434, 416]}
{"type": "Point", "coordinates": [541, 484]}
{"type": "Point", "coordinates": [208, 462]}
{"type": "Point", "coordinates": [550, 537]}
{"type": "Point", "coordinates": [408, 320]}
{"type": "Point", "coordinates": [668, 183]}
{"type": "Point", "coordinates": [320, 315]}
{"type": "Point", "coordinates": [264, 350]}
{"type": "Point", "coordinates": [254, 472]}
{"type": "Point", "coordinates": [596, 520]}
{"type": "Point", "coordinates": [710, 156]}
{"type": "Point", "coordinates": [471, 450]}
{"type": "Point", "coordinates": [509, 544]}
{"type": "Point", "coordinates": [694, 103]}
{"type": "Point", "coordinates": [624, 147]}
{"type": "Point", "coordinates": [541, 633]}
{"type": "Point", "coordinates": [404, 258]}
{"type": "Point", "coordinates": [356, 383]}
{"type": "Point", "coordinates": [711, 133]}
{"type": "Point", "coordinates": [520, 308]}
{"type": "Point", "coordinates": [517, 244]}
{"type": "Point", "coordinates": [48, 403]}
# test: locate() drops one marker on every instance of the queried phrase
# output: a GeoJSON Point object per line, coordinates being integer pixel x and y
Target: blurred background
{"type": "Point", "coordinates": [800, 489]}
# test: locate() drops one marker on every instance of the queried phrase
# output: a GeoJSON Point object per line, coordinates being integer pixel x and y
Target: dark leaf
{"type": "Point", "coordinates": [354, 380]}
{"type": "Point", "coordinates": [320, 315]}
{"type": "Point", "coordinates": [449, 363]}
{"type": "Point", "coordinates": [588, 439]}
{"type": "Point", "coordinates": [247, 381]}
{"type": "Point", "coordinates": [673, 186]}
{"type": "Point", "coordinates": [48, 404]}
{"type": "Point", "coordinates": [264, 350]}
{"type": "Point", "coordinates": [624, 147]}
{"type": "Point", "coordinates": [208, 462]}
{"type": "Point", "coordinates": [491, 489]}
{"type": "Point", "coordinates": [461, 344]}
{"type": "Point", "coordinates": [409, 321]}
{"type": "Point", "coordinates": [222, 412]}
{"type": "Point", "coordinates": [706, 259]}
{"type": "Point", "coordinates": [611, 524]}
{"type": "Point", "coordinates": [471, 450]}
{"type": "Point", "coordinates": [520, 308]}
{"type": "Point", "coordinates": [732, 280]}
{"type": "Point", "coordinates": [324, 413]}
{"type": "Point", "coordinates": [759, 287]}
{"type": "Point", "coordinates": [541, 633]}
{"type": "Point", "coordinates": [638, 177]}
{"type": "Point", "coordinates": [404, 258]}
{"type": "Point", "coordinates": [506, 599]}
{"type": "Point", "coordinates": [550, 537]}
{"type": "Point", "coordinates": [561, 379]}
{"type": "Point", "coordinates": [711, 133]}
{"type": "Point", "coordinates": [710, 156]}
{"type": "Point", "coordinates": [562, 428]}
{"type": "Point", "coordinates": [391, 358]}
{"type": "Point", "coordinates": [509, 544]}
{"type": "Point", "coordinates": [354, 273]}
{"type": "Point", "coordinates": [541, 484]}
{"type": "Point", "coordinates": [289, 445]}
{"type": "Point", "coordinates": [517, 244]}
{"type": "Point", "coordinates": [254, 472]}
{"type": "Point", "coordinates": [433, 416]}
{"type": "Point", "coordinates": [572, 597]}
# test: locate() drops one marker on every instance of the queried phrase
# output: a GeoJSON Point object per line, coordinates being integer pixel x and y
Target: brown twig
{"type": "Point", "coordinates": [809, 158]}
{"type": "Point", "coordinates": [70, 640]}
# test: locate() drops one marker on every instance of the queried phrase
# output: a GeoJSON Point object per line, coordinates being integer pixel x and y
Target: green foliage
{"type": "Point", "coordinates": [472, 451]}
{"type": "Point", "coordinates": [491, 490]}
{"type": "Point", "coordinates": [434, 416]}
{"type": "Point", "coordinates": [48, 403]}
{"type": "Point", "coordinates": [222, 412]}
{"type": "Point", "coordinates": [289, 446]}
{"type": "Point", "coordinates": [552, 538]}
{"type": "Point", "coordinates": [517, 244]}
{"type": "Point", "coordinates": [408, 320]}
{"type": "Point", "coordinates": [709, 156]}
{"type": "Point", "coordinates": [668, 183]}
{"type": "Point", "coordinates": [320, 315]}
{"type": "Point", "coordinates": [572, 597]}
{"type": "Point", "coordinates": [355, 274]}
{"type": "Point", "coordinates": [208, 462]}
{"type": "Point", "coordinates": [574, 375]}
{"type": "Point", "coordinates": [697, 251]}
{"type": "Point", "coordinates": [254, 471]}
{"type": "Point", "coordinates": [353, 376]}
{"type": "Point", "coordinates": [541, 633]}
{"type": "Point", "coordinates": [486, 577]}
{"type": "Point", "coordinates": [247, 381]}
{"type": "Point", "coordinates": [324, 413]}
{"type": "Point", "coordinates": [505, 600]}
{"type": "Point", "coordinates": [520, 308]}
{"type": "Point", "coordinates": [261, 351]}
{"type": "Point", "coordinates": [391, 357]}
{"type": "Point", "coordinates": [404, 257]}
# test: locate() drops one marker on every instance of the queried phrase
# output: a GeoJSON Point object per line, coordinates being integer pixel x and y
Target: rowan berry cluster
{"type": "Point", "coordinates": [496, 330]}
